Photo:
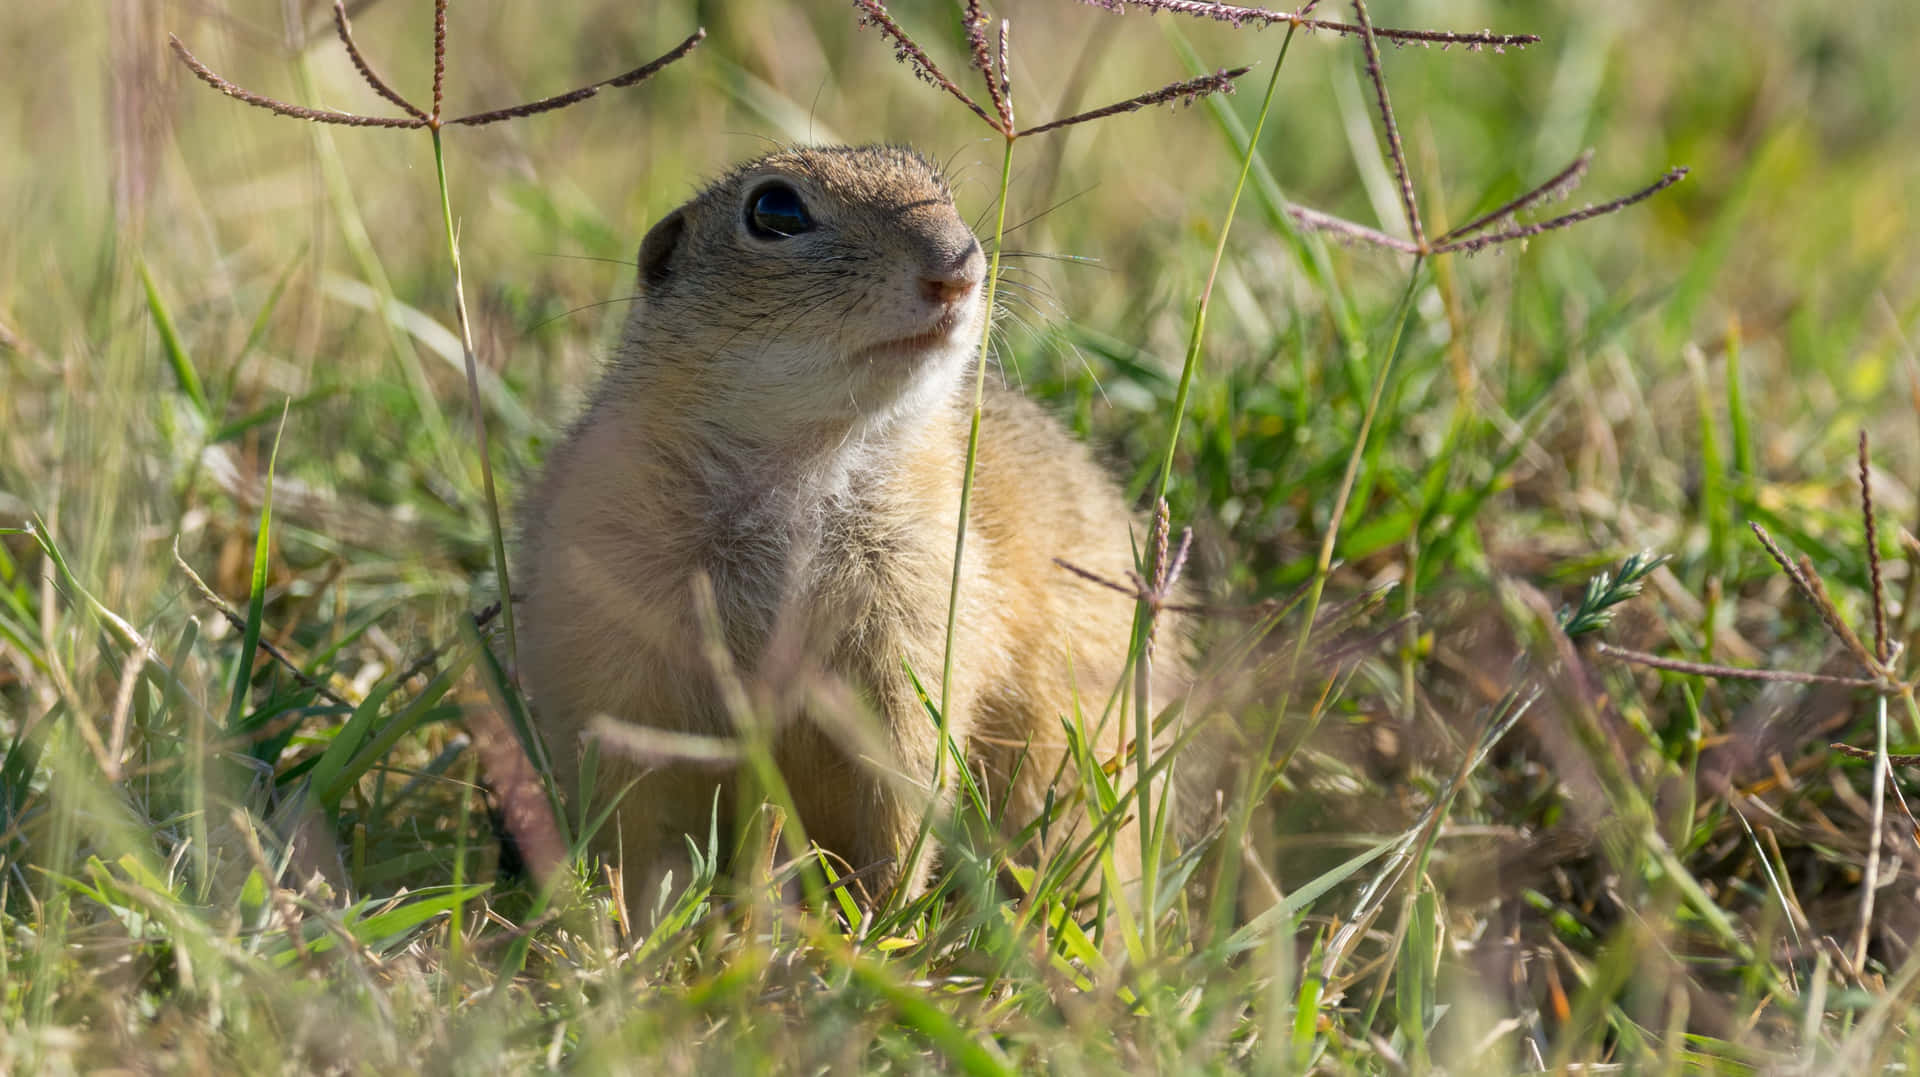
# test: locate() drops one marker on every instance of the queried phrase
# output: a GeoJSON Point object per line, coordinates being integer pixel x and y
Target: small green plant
{"type": "Point", "coordinates": [1603, 592]}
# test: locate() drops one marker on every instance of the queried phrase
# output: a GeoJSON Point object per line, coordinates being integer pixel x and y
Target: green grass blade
{"type": "Point", "coordinates": [263, 319]}
{"type": "Point", "coordinates": [395, 727]}
{"type": "Point", "coordinates": [256, 591]}
{"type": "Point", "coordinates": [1739, 422]}
{"type": "Point", "coordinates": [1282, 915]}
{"type": "Point", "coordinates": [233, 428]}
{"type": "Point", "coordinates": [385, 930]}
{"type": "Point", "coordinates": [176, 351]}
{"type": "Point", "coordinates": [325, 774]}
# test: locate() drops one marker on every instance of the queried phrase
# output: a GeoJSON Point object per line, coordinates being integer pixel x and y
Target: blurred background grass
{"type": "Point", "coordinates": [1653, 379]}
{"type": "Point", "coordinates": [1793, 230]}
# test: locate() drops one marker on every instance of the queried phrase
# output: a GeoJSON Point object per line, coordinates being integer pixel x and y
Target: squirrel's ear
{"type": "Point", "coordinates": [656, 251]}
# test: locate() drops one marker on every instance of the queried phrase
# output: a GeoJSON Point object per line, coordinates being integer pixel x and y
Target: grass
{"type": "Point", "coordinates": [1485, 839]}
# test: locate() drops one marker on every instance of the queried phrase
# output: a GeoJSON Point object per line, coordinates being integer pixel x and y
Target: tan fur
{"type": "Point", "coordinates": [748, 432]}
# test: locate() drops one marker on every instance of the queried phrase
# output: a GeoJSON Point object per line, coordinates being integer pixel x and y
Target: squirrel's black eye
{"type": "Point", "coordinates": [776, 212]}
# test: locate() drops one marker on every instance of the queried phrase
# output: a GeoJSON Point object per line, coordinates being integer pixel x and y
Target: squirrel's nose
{"type": "Point", "coordinates": [946, 289]}
{"type": "Point", "coordinates": [952, 282]}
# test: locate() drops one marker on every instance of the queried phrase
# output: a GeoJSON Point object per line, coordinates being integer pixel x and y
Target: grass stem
{"type": "Point", "coordinates": [1196, 337]}
{"type": "Point", "coordinates": [496, 532]}
{"type": "Point", "coordinates": [910, 869]}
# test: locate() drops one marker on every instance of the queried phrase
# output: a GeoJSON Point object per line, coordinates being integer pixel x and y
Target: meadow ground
{"type": "Point", "coordinates": [1469, 835]}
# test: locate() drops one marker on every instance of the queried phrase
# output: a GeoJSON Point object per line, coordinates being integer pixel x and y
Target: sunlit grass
{"type": "Point", "coordinates": [1489, 846]}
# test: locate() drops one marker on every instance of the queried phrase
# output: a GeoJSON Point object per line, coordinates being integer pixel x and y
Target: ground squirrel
{"type": "Point", "coordinates": [786, 416]}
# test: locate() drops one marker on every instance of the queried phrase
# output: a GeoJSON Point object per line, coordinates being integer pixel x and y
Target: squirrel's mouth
{"type": "Point", "coordinates": [941, 332]}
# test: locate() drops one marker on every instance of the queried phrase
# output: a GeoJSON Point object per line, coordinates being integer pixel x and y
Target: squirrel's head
{"type": "Point", "coordinates": [829, 285]}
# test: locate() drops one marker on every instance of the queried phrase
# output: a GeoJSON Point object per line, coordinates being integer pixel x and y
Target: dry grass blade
{"type": "Point", "coordinates": [1006, 75]}
{"type": "Point", "coordinates": [1464, 238]}
{"type": "Point", "coordinates": [1162, 535]}
{"type": "Point", "coordinates": [980, 54]}
{"type": "Point", "coordinates": [548, 104]}
{"type": "Point", "coordinates": [1315, 221]}
{"type": "Point", "coordinates": [416, 118]}
{"type": "Point", "coordinates": [1478, 243]}
{"type": "Point", "coordinates": [1786, 564]}
{"type": "Point", "coordinates": [239, 622]}
{"type": "Point", "coordinates": [974, 18]}
{"type": "Point", "coordinates": [439, 54]}
{"type": "Point", "coordinates": [282, 108]}
{"type": "Point", "coordinates": [1237, 16]}
{"type": "Point", "coordinates": [1831, 614]}
{"type": "Point", "coordinates": [425, 663]}
{"type": "Point", "coordinates": [1893, 758]}
{"type": "Point", "coordinates": [1184, 92]}
{"type": "Point", "coordinates": [1394, 148]}
{"type": "Point", "coordinates": [1138, 590]}
{"type": "Point", "coordinates": [1708, 669]}
{"type": "Point", "coordinates": [1179, 565]}
{"type": "Point", "coordinates": [1815, 592]}
{"type": "Point", "coordinates": [646, 71]}
{"type": "Point", "coordinates": [373, 79]}
{"type": "Point", "coordinates": [907, 51]}
{"type": "Point", "coordinates": [1561, 185]}
{"type": "Point", "coordinates": [1880, 646]}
